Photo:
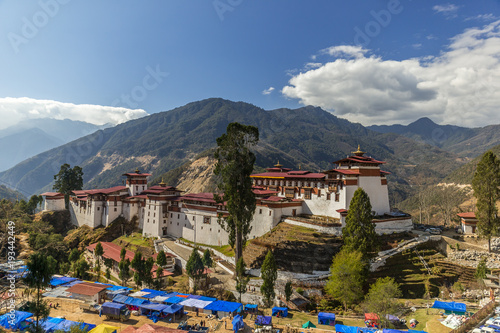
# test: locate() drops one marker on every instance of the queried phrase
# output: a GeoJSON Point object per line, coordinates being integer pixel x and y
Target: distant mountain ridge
{"type": "Point", "coordinates": [308, 137]}
{"type": "Point", "coordinates": [466, 142]}
{"type": "Point", "coordinates": [31, 137]}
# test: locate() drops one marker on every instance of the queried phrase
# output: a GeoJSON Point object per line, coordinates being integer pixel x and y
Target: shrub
{"type": "Point", "coordinates": [300, 290]}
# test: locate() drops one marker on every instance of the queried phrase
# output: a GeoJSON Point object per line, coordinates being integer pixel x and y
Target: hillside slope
{"type": "Point", "coordinates": [308, 137]}
{"type": "Point", "coordinates": [465, 173]}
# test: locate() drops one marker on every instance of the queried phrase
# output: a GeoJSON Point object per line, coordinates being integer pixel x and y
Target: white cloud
{"type": "Point", "coordinates": [268, 91]}
{"type": "Point", "coordinates": [417, 46]}
{"type": "Point", "coordinates": [345, 50]}
{"type": "Point", "coordinates": [311, 65]}
{"type": "Point", "coordinates": [13, 110]}
{"type": "Point", "coordinates": [460, 86]}
{"type": "Point", "coordinates": [482, 17]}
{"type": "Point", "coordinates": [448, 10]}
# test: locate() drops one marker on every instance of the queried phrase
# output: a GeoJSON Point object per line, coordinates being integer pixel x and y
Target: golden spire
{"type": "Point", "coordinates": [162, 184]}
{"type": "Point", "coordinates": [137, 170]}
{"type": "Point", "coordinates": [358, 152]}
{"type": "Point", "coordinates": [278, 165]}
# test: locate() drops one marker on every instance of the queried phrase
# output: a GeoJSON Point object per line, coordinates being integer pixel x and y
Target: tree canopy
{"type": "Point", "coordinates": [194, 266]}
{"type": "Point", "coordinates": [382, 298]}
{"type": "Point", "coordinates": [347, 277]}
{"type": "Point", "coordinates": [486, 184]}
{"type": "Point", "coordinates": [68, 179]}
{"type": "Point", "coordinates": [359, 231]}
{"type": "Point", "coordinates": [235, 162]}
{"type": "Point", "coordinates": [269, 274]}
{"type": "Point", "coordinates": [241, 278]}
{"type": "Point", "coordinates": [161, 259]}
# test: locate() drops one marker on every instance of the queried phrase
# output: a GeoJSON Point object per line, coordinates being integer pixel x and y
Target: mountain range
{"type": "Point", "coordinates": [31, 137]}
{"type": "Point", "coordinates": [463, 141]}
{"type": "Point", "coordinates": [307, 138]}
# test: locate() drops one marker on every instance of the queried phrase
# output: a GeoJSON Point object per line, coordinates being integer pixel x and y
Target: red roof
{"type": "Point", "coordinates": [137, 197]}
{"type": "Point", "coordinates": [358, 159]}
{"type": "Point", "coordinates": [204, 197]}
{"type": "Point", "coordinates": [385, 172]}
{"type": "Point", "coordinates": [87, 288]}
{"type": "Point", "coordinates": [52, 194]}
{"type": "Point", "coordinates": [371, 316]}
{"type": "Point", "coordinates": [279, 199]}
{"type": "Point", "coordinates": [135, 174]}
{"type": "Point", "coordinates": [346, 171]}
{"type": "Point", "coordinates": [264, 192]}
{"type": "Point", "coordinates": [290, 175]}
{"type": "Point", "coordinates": [342, 211]}
{"type": "Point", "coordinates": [112, 251]}
{"type": "Point", "coordinates": [107, 190]}
{"type": "Point", "coordinates": [467, 215]}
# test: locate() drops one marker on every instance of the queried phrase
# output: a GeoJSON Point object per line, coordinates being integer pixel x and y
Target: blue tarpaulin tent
{"type": "Point", "coordinates": [122, 299]}
{"type": "Point", "coordinates": [13, 320]}
{"type": "Point", "coordinates": [224, 307]}
{"type": "Point", "coordinates": [174, 308]}
{"type": "Point", "coordinates": [264, 320]}
{"type": "Point", "coordinates": [238, 323]}
{"type": "Point", "coordinates": [388, 330]}
{"type": "Point", "coordinates": [48, 324]}
{"type": "Point", "coordinates": [67, 324]}
{"type": "Point", "coordinates": [367, 330]}
{"type": "Point", "coordinates": [450, 306]}
{"type": "Point", "coordinates": [57, 281]}
{"type": "Point", "coordinates": [208, 299]}
{"type": "Point", "coordinates": [282, 312]}
{"type": "Point", "coordinates": [251, 308]}
{"type": "Point", "coordinates": [326, 318]}
{"type": "Point", "coordinates": [174, 300]}
{"type": "Point", "coordinates": [346, 329]}
{"type": "Point", "coordinates": [415, 331]}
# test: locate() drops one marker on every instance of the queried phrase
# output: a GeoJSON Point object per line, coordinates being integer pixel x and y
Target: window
{"type": "Point", "coordinates": [328, 196]}
{"type": "Point", "coordinates": [185, 217]}
{"type": "Point", "coordinates": [219, 231]}
{"type": "Point", "coordinates": [307, 193]}
{"type": "Point", "coordinates": [177, 223]}
{"type": "Point", "coordinates": [337, 196]}
{"type": "Point", "coordinates": [115, 209]}
{"type": "Point", "coordinates": [171, 215]}
{"type": "Point", "coordinates": [270, 212]}
{"type": "Point", "coordinates": [143, 187]}
{"type": "Point", "coordinates": [319, 193]}
{"type": "Point", "coordinates": [148, 220]}
{"type": "Point", "coordinates": [154, 214]}
{"type": "Point", "coordinates": [170, 222]}
{"type": "Point", "coordinates": [210, 229]}
{"type": "Point", "coordinates": [137, 188]}
{"type": "Point", "coordinates": [164, 221]}
{"type": "Point", "coordinates": [178, 216]}
{"type": "Point", "coordinates": [260, 211]}
{"type": "Point", "coordinates": [149, 213]}
{"type": "Point", "coordinates": [206, 219]}
{"type": "Point", "coordinates": [289, 193]}
{"type": "Point", "coordinates": [98, 208]}
{"type": "Point", "coordinates": [193, 218]}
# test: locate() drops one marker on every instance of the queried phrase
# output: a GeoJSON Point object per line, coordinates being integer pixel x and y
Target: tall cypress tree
{"type": "Point", "coordinates": [67, 180]}
{"type": "Point", "coordinates": [486, 184]}
{"type": "Point", "coordinates": [269, 273]}
{"type": "Point", "coordinates": [359, 231]}
{"type": "Point", "coordinates": [234, 166]}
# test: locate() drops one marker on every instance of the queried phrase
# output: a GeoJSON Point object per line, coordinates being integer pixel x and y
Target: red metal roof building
{"type": "Point", "coordinates": [468, 222]}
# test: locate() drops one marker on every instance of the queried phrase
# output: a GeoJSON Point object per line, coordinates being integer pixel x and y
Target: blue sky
{"type": "Point", "coordinates": [374, 62]}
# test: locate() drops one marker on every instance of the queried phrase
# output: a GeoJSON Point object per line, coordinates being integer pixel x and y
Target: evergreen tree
{"type": "Point", "coordinates": [108, 273]}
{"type": "Point", "coordinates": [382, 299]}
{"type": "Point", "coordinates": [159, 277]}
{"type": "Point", "coordinates": [207, 259]}
{"type": "Point", "coordinates": [482, 269]}
{"type": "Point", "coordinates": [234, 166]}
{"type": "Point", "coordinates": [194, 266]}
{"type": "Point", "coordinates": [269, 274]}
{"type": "Point", "coordinates": [359, 231]}
{"type": "Point", "coordinates": [347, 277]}
{"type": "Point", "coordinates": [67, 180]}
{"type": "Point", "coordinates": [161, 259]}
{"type": "Point", "coordinates": [124, 275]}
{"type": "Point", "coordinates": [241, 278]}
{"type": "Point", "coordinates": [38, 278]}
{"type": "Point", "coordinates": [81, 268]}
{"type": "Point", "coordinates": [123, 253]}
{"type": "Point", "coordinates": [486, 184]}
{"type": "Point", "coordinates": [288, 291]}
{"type": "Point", "coordinates": [98, 251]}
{"type": "Point", "coordinates": [74, 255]}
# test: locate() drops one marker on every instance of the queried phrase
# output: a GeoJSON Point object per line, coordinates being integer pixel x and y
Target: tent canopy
{"type": "Point", "coordinates": [388, 330]}
{"type": "Point", "coordinates": [371, 316]}
{"type": "Point", "coordinates": [238, 323]}
{"type": "Point", "coordinates": [104, 328]}
{"type": "Point", "coordinates": [123, 299]}
{"type": "Point", "coordinates": [264, 320]}
{"type": "Point", "coordinates": [277, 309]}
{"type": "Point", "coordinates": [195, 303]}
{"type": "Point", "coordinates": [174, 300]}
{"type": "Point", "coordinates": [309, 325]}
{"type": "Point", "coordinates": [223, 306]}
{"type": "Point", "coordinates": [450, 306]}
{"type": "Point", "coordinates": [57, 281]}
{"type": "Point", "coordinates": [251, 306]}
{"type": "Point", "coordinates": [153, 306]}
{"type": "Point", "coordinates": [346, 329]}
{"type": "Point", "coordinates": [12, 320]}
{"type": "Point", "coordinates": [415, 331]}
{"type": "Point", "coordinates": [324, 318]}
{"type": "Point", "coordinates": [174, 308]}
{"type": "Point", "coordinates": [67, 324]}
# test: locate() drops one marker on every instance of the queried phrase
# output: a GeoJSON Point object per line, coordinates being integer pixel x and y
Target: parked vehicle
{"type": "Point", "coordinates": [115, 311]}
{"type": "Point", "coordinates": [487, 330]}
{"type": "Point", "coordinates": [91, 307]}
{"type": "Point", "coordinates": [433, 231]}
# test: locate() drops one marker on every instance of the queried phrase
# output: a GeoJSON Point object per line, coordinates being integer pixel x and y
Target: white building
{"type": "Point", "coordinates": [53, 201]}
{"type": "Point", "coordinates": [163, 210]}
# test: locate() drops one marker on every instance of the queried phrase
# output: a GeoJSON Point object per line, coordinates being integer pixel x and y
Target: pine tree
{"type": "Point", "coordinates": [269, 274]}
{"type": "Point", "coordinates": [67, 180]}
{"type": "Point", "coordinates": [288, 291]}
{"type": "Point", "coordinates": [161, 259]}
{"type": "Point", "coordinates": [234, 166]}
{"type": "Point", "coordinates": [359, 231]}
{"type": "Point", "coordinates": [207, 259]}
{"type": "Point", "coordinates": [382, 298]}
{"type": "Point", "coordinates": [194, 266]}
{"type": "Point", "coordinates": [486, 184]}
{"type": "Point", "coordinates": [98, 251]}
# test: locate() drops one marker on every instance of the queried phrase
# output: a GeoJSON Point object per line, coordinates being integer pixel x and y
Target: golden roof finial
{"type": "Point", "coordinates": [162, 182]}
{"type": "Point", "coordinates": [278, 165]}
{"type": "Point", "coordinates": [137, 170]}
{"type": "Point", "coordinates": [358, 152]}
{"type": "Point", "coordinates": [300, 167]}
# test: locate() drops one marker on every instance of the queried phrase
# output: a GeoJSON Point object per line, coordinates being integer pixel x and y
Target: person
{"type": "Point", "coordinates": [225, 324]}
